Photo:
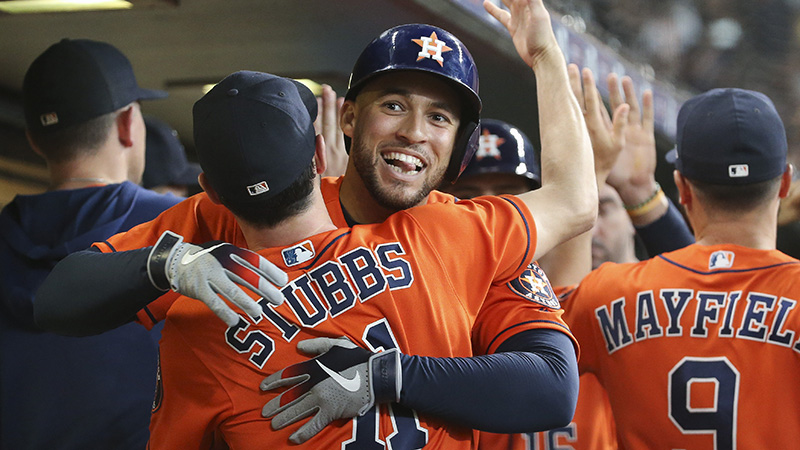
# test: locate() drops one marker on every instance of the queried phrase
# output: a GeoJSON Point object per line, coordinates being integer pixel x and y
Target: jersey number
{"type": "Point", "coordinates": [716, 416]}
{"type": "Point", "coordinates": [407, 433]}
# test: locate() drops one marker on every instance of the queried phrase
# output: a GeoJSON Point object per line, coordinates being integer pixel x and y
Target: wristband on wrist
{"type": "Point", "coordinates": [648, 205]}
{"type": "Point", "coordinates": [159, 257]}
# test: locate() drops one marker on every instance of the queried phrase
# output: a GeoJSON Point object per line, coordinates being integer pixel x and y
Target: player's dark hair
{"type": "Point", "coordinates": [83, 139]}
{"type": "Point", "coordinates": [291, 201]}
{"type": "Point", "coordinates": [737, 198]}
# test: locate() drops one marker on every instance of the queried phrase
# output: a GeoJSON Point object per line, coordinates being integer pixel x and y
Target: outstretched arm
{"type": "Point", "coordinates": [566, 204]}
{"type": "Point", "coordinates": [658, 222]}
{"type": "Point", "coordinates": [89, 292]}
{"type": "Point", "coordinates": [530, 384]}
{"type": "Point", "coordinates": [569, 262]}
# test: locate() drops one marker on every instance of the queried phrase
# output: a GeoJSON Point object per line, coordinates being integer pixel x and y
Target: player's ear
{"type": "Point", "coordinates": [786, 181]}
{"type": "Point", "coordinates": [124, 123]}
{"type": "Point", "coordinates": [212, 194]}
{"type": "Point", "coordinates": [684, 193]}
{"type": "Point", "coordinates": [347, 117]}
{"type": "Point", "coordinates": [320, 156]}
{"type": "Point", "coordinates": [32, 144]}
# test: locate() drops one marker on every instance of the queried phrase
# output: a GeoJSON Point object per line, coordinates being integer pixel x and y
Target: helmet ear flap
{"type": "Point", "coordinates": [465, 147]}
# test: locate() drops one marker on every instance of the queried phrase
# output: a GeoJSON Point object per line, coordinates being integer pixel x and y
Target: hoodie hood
{"type": "Point", "coordinates": [37, 231]}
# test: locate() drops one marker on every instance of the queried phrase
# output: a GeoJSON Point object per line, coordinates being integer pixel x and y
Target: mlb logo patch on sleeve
{"type": "Point", "coordinates": [534, 285]}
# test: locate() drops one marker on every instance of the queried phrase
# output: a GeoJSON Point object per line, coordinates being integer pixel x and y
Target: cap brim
{"type": "Point", "coordinates": [672, 155]}
{"type": "Point", "coordinates": [190, 173]}
{"type": "Point", "coordinates": [150, 94]}
{"type": "Point", "coordinates": [308, 97]}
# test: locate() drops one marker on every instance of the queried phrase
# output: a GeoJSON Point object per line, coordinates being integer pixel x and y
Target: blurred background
{"type": "Point", "coordinates": [675, 47]}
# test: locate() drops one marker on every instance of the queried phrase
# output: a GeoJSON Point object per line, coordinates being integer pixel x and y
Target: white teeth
{"type": "Point", "coordinates": [404, 158]}
{"type": "Point", "coordinates": [399, 170]}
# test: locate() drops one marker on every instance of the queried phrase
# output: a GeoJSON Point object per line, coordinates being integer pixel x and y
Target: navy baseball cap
{"type": "Point", "coordinates": [254, 135]}
{"type": "Point", "coordinates": [165, 158]}
{"type": "Point", "coordinates": [730, 136]}
{"type": "Point", "coordinates": [76, 80]}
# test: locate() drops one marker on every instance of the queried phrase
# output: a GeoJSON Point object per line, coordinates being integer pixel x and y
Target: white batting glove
{"type": "Point", "coordinates": [212, 270]}
{"type": "Point", "coordinates": [343, 381]}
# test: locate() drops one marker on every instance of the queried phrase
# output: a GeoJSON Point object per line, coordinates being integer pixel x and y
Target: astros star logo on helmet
{"type": "Point", "coordinates": [432, 48]}
{"type": "Point", "coordinates": [489, 146]}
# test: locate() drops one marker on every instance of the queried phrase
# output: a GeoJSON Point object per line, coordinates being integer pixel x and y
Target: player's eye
{"type": "Point", "coordinates": [392, 106]}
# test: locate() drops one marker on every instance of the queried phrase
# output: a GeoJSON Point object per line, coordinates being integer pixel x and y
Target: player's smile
{"type": "Point", "coordinates": [403, 163]}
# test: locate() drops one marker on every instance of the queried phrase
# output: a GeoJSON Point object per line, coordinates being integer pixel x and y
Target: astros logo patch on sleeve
{"type": "Point", "coordinates": [534, 285]}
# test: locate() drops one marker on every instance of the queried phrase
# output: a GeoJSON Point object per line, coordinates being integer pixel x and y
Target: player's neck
{"type": "Point", "coordinates": [360, 205]}
{"type": "Point", "coordinates": [739, 232]}
{"type": "Point", "coordinates": [313, 221]}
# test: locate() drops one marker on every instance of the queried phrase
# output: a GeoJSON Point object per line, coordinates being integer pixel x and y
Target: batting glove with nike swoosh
{"type": "Point", "coordinates": [213, 269]}
{"type": "Point", "coordinates": [343, 381]}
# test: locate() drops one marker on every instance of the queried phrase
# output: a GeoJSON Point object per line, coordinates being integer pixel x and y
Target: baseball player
{"type": "Point", "coordinates": [358, 283]}
{"type": "Point", "coordinates": [82, 115]}
{"type": "Point", "coordinates": [720, 313]}
{"type": "Point", "coordinates": [507, 163]}
{"type": "Point", "coordinates": [199, 218]}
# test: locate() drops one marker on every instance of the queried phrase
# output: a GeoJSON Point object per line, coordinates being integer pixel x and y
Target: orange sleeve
{"type": "Point", "coordinates": [197, 219]}
{"type": "Point", "coordinates": [524, 303]}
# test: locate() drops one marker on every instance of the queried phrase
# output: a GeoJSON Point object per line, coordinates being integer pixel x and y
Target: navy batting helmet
{"type": "Point", "coordinates": [505, 149]}
{"type": "Point", "coordinates": [429, 49]}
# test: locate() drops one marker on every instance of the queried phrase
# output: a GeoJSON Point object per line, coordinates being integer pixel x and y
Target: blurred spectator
{"type": "Point", "coordinates": [166, 167]}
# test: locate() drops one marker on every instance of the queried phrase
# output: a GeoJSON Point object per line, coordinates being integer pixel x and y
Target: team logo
{"type": "Point", "coordinates": [49, 119]}
{"type": "Point", "coordinates": [738, 170]}
{"type": "Point", "coordinates": [721, 259]}
{"type": "Point", "coordinates": [300, 253]}
{"type": "Point", "coordinates": [489, 146]}
{"type": "Point", "coordinates": [534, 285]}
{"type": "Point", "coordinates": [432, 48]}
{"type": "Point", "coordinates": [258, 188]}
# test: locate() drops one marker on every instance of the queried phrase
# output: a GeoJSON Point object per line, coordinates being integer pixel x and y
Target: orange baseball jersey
{"type": "Point", "coordinates": [697, 348]}
{"type": "Point", "coordinates": [592, 428]}
{"type": "Point", "coordinates": [400, 284]}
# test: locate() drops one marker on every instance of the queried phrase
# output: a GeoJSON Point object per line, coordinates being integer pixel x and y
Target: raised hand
{"type": "Point", "coordinates": [327, 124]}
{"type": "Point", "coordinates": [212, 270]}
{"type": "Point", "coordinates": [607, 135]}
{"type": "Point", "coordinates": [342, 382]}
{"type": "Point", "coordinates": [634, 174]}
{"type": "Point", "coordinates": [528, 22]}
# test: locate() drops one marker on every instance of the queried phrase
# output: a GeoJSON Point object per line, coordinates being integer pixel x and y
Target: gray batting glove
{"type": "Point", "coordinates": [342, 382]}
{"type": "Point", "coordinates": [212, 270]}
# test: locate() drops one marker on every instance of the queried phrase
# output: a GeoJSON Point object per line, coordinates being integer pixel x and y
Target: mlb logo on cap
{"type": "Point", "coordinates": [738, 170]}
{"type": "Point", "coordinates": [258, 188]}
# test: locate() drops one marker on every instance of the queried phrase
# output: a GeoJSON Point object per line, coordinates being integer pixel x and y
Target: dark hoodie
{"type": "Point", "coordinates": [64, 392]}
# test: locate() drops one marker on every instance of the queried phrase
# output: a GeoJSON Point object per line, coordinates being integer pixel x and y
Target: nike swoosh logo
{"type": "Point", "coordinates": [188, 258]}
{"type": "Point", "coordinates": [351, 384]}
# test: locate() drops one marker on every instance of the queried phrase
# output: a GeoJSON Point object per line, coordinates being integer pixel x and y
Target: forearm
{"type": "Point", "coordinates": [530, 384]}
{"type": "Point", "coordinates": [567, 161]}
{"type": "Point", "coordinates": [90, 292]}
{"type": "Point", "coordinates": [667, 233]}
{"type": "Point", "coordinates": [566, 204]}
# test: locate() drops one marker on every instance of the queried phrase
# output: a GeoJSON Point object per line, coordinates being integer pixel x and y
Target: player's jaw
{"type": "Point", "coordinates": [397, 177]}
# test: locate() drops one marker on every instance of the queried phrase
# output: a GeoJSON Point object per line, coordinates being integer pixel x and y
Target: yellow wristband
{"type": "Point", "coordinates": [647, 205]}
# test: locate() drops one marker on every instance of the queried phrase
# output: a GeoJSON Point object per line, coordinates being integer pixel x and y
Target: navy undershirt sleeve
{"type": "Point", "coordinates": [530, 384]}
{"type": "Point", "coordinates": [670, 232]}
{"type": "Point", "coordinates": [89, 292]}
